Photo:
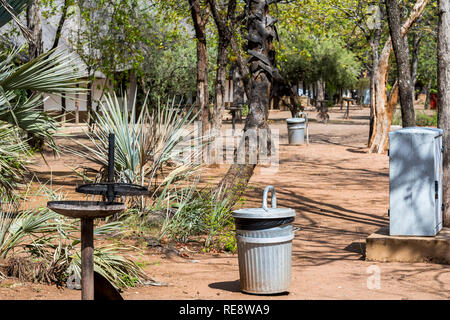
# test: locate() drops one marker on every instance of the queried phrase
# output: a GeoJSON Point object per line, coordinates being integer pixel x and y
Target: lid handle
{"type": "Point", "coordinates": [274, 197]}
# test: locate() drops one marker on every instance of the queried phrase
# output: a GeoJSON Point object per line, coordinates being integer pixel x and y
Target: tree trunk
{"type": "Point", "coordinates": [219, 88]}
{"type": "Point", "coordinates": [443, 57]}
{"type": "Point", "coordinates": [90, 119]}
{"type": "Point", "coordinates": [415, 62]}
{"type": "Point", "coordinates": [381, 122]}
{"type": "Point", "coordinates": [225, 25]}
{"type": "Point", "coordinates": [391, 103]}
{"type": "Point", "coordinates": [320, 90]}
{"type": "Point", "coordinates": [427, 95]}
{"type": "Point", "coordinates": [61, 22]}
{"type": "Point", "coordinates": [242, 65]}
{"type": "Point", "coordinates": [35, 47]}
{"type": "Point", "coordinates": [294, 101]}
{"type": "Point", "coordinates": [200, 18]}
{"type": "Point", "coordinates": [238, 87]}
{"type": "Point", "coordinates": [381, 126]}
{"type": "Point", "coordinates": [262, 72]}
{"type": "Point", "coordinates": [314, 92]}
{"type": "Point", "coordinates": [401, 50]}
{"type": "Point", "coordinates": [63, 108]}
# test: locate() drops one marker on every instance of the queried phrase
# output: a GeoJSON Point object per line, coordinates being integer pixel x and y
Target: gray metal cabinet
{"type": "Point", "coordinates": [415, 181]}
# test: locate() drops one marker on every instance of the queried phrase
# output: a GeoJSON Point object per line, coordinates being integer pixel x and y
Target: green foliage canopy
{"type": "Point", "coordinates": [310, 59]}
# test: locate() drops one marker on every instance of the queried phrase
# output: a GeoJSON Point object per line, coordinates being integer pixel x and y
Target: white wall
{"type": "Point", "coordinates": [53, 101]}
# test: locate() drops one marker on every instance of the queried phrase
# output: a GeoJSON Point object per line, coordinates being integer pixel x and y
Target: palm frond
{"type": "Point", "coordinates": [16, 6]}
{"type": "Point", "coordinates": [110, 262]}
{"type": "Point", "coordinates": [13, 158]}
{"type": "Point", "coordinates": [24, 115]}
{"type": "Point", "coordinates": [52, 72]}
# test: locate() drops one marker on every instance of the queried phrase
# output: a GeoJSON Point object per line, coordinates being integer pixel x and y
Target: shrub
{"type": "Point", "coordinates": [194, 213]}
{"type": "Point", "coordinates": [422, 119]}
{"type": "Point", "coordinates": [152, 148]}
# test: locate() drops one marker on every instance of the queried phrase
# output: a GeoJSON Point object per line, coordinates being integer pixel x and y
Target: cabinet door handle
{"type": "Point", "coordinates": [436, 189]}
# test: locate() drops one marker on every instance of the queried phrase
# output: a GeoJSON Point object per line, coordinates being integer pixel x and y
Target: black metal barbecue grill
{"type": "Point", "coordinates": [87, 211]}
{"type": "Point", "coordinates": [112, 189]}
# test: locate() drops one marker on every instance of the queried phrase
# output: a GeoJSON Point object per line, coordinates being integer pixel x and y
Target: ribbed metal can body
{"type": "Point", "coordinates": [265, 259]}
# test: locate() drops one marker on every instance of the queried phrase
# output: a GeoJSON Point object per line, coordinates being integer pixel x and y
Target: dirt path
{"type": "Point", "coordinates": [340, 194]}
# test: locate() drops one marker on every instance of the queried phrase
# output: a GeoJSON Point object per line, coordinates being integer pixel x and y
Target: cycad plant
{"type": "Point", "coordinates": [153, 148]}
{"type": "Point", "coordinates": [20, 119]}
{"type": "Point", "coordinates": [52, 72]}
{"type": "Point", "coordinates": [13, 155]}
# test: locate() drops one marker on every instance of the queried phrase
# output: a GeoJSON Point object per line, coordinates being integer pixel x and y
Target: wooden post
{"type": "Point", "coordinates": [87, 259]}
{"type": "Point", "coordinates": [233, 120]}
{"type": "Point", "coordinates": [77, 107]}
{"type": "Point", "coordinates": [63, 108]}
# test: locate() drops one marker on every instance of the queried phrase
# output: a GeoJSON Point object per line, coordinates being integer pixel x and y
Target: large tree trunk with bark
{"type": "Point", "coordinates": [200, 18]}
{"type": "Point", "coordinates": [401, 50]}
{"type": "Point", "coordinates": [444, 98]}
{"type": "Point", "coordinates": [381, 120]}
{"type": "Point", "coordinates": [261, 33]}
{"type": "Point", "coordinates": [380, 115]}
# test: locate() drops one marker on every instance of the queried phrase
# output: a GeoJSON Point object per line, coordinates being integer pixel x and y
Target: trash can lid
{"type": "Point", "coordinates": [295, 120]}
{"type": "Point", "coordinates": [261, 213]}
{"type": "Point", "coordinates": [265, 212]}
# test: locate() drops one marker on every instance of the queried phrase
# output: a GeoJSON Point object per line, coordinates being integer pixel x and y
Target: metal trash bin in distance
{"type": "Point", "coordinates": [296, 129]}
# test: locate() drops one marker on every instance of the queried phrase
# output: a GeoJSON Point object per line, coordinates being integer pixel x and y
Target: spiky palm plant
{"type": "Point", "coordinates": [145, 143]}
{"type": "Point", "coordinates": [13, 155]}
{"type": "Point", "coordinates": [52, 72]}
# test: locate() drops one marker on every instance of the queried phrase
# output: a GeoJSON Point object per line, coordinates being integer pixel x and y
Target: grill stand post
{"type": "Point", "coordinates": [87, 259]}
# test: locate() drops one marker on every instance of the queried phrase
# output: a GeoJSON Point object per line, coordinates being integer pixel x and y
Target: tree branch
{"type": "Point", "coordinates": [62, 20]}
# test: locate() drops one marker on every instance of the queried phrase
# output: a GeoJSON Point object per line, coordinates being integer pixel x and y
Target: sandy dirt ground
{"type": "Point", "coordinates": [340, 195]}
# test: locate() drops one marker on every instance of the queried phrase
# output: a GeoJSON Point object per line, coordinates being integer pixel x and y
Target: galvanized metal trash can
{"type": "Point", "coordinates": [296, 129]}
{"type": "Point", "coordinates": [264, 240]}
